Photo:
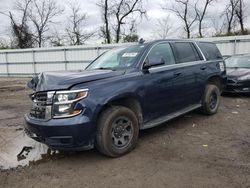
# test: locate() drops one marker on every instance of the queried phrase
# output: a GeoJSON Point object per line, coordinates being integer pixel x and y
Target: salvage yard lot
{"type": "Point", "coordinates": [191, 151]}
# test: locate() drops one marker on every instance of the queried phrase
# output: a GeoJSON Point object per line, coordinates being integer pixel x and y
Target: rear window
{"type": "Point", "coordinates": [210, 51]}
{"type": "Point", "coordinates": [186, 52]}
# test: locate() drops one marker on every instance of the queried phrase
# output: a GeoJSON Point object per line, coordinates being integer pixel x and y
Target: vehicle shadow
{"type": "Point", "coordinates": [236, 95]}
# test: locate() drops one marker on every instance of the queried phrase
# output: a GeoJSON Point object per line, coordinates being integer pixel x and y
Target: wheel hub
{"type": "Point", "coordinates": [213, 100]}
{"type": "Point", "coordinates": [118, 132]}
{"type": "Point", "coordinates": [122, 132]}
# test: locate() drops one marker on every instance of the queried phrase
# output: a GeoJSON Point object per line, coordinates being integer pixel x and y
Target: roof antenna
{"type": "Point", "coordinates": [141, 41]}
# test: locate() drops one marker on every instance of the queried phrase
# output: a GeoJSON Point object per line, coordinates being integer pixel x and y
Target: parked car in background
{"type": "Point", "coordinates": [238, 73]}
{"type": "Point", "coordinates": [125, 90]}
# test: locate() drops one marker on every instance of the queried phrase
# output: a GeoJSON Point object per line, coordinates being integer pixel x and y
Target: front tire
{"type": "Point", "coordinates": [210, 99]}
{"type": "Point", "coordinates": [117, 131]}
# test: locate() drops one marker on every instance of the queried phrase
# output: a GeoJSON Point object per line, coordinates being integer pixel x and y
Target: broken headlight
{"type": "Point", "coordinates": [64, 103]}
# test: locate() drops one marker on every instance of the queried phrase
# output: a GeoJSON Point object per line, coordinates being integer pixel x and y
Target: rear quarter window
{"type": "Point", "coordinates": [185, 52]}
{"type": "Point", "coordinates": [210, 51]}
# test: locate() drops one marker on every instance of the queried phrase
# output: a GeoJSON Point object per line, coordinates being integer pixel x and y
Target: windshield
{"type": "Point", "coordinates": [117, 58]}
{"type": "Point", "coordinates": [238, 62]}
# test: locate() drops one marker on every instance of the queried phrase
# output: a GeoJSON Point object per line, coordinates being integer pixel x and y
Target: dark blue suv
{"type": "Point", "coordinates": [125, 90]}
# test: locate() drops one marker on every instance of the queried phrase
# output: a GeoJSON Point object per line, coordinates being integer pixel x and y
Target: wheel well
{"type": "Point", "coordinates": [129, 102]}
{"type": "Point", "coordinates": [216, 80]}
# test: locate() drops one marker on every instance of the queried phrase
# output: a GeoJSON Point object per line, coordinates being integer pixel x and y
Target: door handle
{"type": "Point", "coordinates": [177, 74]}
{"type": "Point", "coordinates": [204, 67]}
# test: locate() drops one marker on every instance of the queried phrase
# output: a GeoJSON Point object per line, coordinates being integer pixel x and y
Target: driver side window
{"type": "Point", "coordinates": [161, 53]}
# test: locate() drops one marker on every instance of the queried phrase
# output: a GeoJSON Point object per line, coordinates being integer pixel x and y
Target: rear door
{"type": "Point", "coordinates": [187, 83]}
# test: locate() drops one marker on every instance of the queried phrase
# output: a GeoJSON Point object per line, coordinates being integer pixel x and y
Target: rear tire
{"type": "Point", "coordinates": [117, 131]}
{"type": "Point", "coordinates": [210, 99]}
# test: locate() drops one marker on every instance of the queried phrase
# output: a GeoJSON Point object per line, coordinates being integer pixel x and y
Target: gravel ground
{"type": "Point", "coordinates": [191, 151]}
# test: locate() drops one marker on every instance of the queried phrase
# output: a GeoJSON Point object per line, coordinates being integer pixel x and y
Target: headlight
{"type": "Point", "coordinates": [64, 102]}
{"type": "Point", "coordinates": [246, 77]}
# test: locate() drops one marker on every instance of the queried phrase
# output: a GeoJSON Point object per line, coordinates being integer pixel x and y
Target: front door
{"type": "Point", "coordinates": [159, 98]}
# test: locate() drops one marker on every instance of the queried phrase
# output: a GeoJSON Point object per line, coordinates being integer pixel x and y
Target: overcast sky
{"type": "Point", "coordinates": [146, 27]}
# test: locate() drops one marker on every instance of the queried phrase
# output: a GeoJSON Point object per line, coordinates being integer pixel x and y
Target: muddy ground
{"type": "Point", "coordinates": [190, 151]}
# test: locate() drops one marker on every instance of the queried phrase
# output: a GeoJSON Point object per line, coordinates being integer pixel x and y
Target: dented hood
{"type": "Point", "coordinates": [58, 80]}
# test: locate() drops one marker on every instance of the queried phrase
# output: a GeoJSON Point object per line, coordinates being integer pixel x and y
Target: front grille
{"type": "Point", "coordinates": [41, 108]}
{"type": "Point", "coordinates": [41, 97]}
{"type": "Point", "coordinates": [38, 112]}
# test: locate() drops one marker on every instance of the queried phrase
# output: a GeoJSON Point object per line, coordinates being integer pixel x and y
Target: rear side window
{"type": "Point", "coordinates": [185, 52]}
{"type": "Point", "coordinates": [210, 50]}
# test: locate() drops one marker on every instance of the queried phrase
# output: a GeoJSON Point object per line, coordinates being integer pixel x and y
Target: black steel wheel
{"type": "Point", "coordinates": [211, 99]}
{"type": "Point", "coordinates": [122, 132]}
{"type": "Point", "coordinates": [117, 131]}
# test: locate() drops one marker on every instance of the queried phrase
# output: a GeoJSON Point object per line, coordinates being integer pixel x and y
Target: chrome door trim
{"type": "Point", "coordinates": [180, 65]}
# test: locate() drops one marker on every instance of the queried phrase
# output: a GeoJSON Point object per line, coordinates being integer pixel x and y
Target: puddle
{"type": "Point", "coordinates": [17, 149]}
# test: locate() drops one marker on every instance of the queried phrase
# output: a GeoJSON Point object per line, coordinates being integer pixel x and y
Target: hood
{"type": "Point", "coordinates": [237, 72]}
{"type": "Point", "coordinates": [65, 79]}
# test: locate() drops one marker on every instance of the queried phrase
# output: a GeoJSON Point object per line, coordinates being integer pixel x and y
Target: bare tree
{"type": "Point", "coordinates": [106, 17]}
{"type": "Point", "coordinates": [184, 10]}
{"type": "Point", "coordinates": [77, 21]}
{"type": "Point", "coordinates": [122, 10]}
{"type": "Point", "coordinates": [132, 36]}
{"type": "Point", "coordinates": [42, 14]}
{"type": "Point", "coordinates": [22, 36]}
{"type": "Point", "coordinates": [105, 30]}
{"type": "Point", "coordinates": [56, 39]}
{"type": "Point", "coordinates": [4, 44]}
{"type": "Point", "coordinates": [117, 14]}
{"type": "Point", "coordinates": [239, 11]}
{"type": "Point", "coordinates": [163, 27]}
{"type": "Point", "coordinates": [201, 14]}
{"type": "Point", "coordinates": [218, 24]}
{"type": "Point", "coordinates": [230, 13]}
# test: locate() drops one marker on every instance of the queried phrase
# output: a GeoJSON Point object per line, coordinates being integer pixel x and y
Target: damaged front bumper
{"type": "Point", "coordinates": [73, 134]}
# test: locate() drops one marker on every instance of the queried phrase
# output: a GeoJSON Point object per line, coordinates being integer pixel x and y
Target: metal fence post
{"type": "Point", "coordinates": [235, 41]}
{"type": "Point", "coordinates": [34, 62]}
{"type": "Point", "coordinates": [65, 58]}
{"type": "Point", "coordinates": [7, 64]}
{"type": "Point", "coordinates": [98, 51]}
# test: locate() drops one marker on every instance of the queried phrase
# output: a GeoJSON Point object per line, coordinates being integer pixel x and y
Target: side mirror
{"type": "Point", "coordinates": [153, 62]}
